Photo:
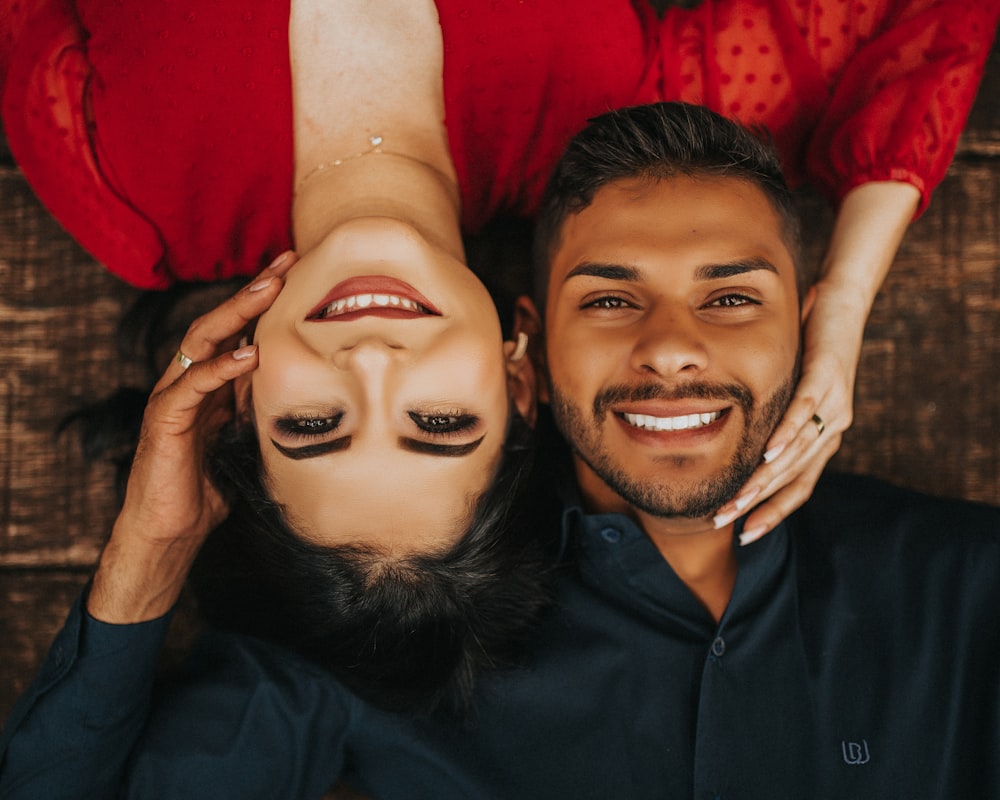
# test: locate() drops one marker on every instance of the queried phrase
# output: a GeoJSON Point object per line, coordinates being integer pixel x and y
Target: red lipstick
{"type": "Point", "coordinates": [373, 285]}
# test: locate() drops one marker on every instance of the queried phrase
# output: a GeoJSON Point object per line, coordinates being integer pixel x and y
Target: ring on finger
{"type": "Point", "coordinates": [819, 423]}
{"type": "Point", "coordinates": [183, 360]}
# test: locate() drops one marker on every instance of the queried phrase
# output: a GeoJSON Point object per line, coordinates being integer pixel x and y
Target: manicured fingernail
{"type": "Point", "coordinates": [256, 286]}
{"type": "Point", "coordinates": [278, 261]}
{"type": "Point", "coordinates": [245, 352]}
{"type": "Point", "coordinates": [752, 535]}
{"type": "Point", "coordinates": [746, 499]}
{"type": "Point", "coordinates": [773, 453]}
{"type": "Point", "coordinates": [721, 520]}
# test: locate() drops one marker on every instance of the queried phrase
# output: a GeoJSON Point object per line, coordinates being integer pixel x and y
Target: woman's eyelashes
{"type": "Point", "coordinates": [444, 424]}
{"type": "Point", "coordinates": [307, 427]}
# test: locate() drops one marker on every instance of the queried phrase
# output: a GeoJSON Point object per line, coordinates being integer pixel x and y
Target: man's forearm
{"type": "Point", "coordinates": [138, 580]}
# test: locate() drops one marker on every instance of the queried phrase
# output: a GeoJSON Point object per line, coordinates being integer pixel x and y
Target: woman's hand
{"type": "Point", "coordinates": [872, 220]}
{"type": "Point", "coordinates": [813, 425]}
{"type": "Point", "coordinates": [170, 504]}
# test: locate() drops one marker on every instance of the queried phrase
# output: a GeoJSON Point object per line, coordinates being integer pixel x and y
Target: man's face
{"type": "Point", "coordinates": [672, 339]}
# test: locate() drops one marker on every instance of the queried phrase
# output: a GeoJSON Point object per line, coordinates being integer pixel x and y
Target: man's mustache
{"type": "Point", "coordinates": [697, 390]}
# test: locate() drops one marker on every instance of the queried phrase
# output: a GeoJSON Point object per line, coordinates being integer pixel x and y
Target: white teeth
{"type": "Point", "coordinates": [681, 423]}
{"type": "Point", "coordinates": [365, 301]}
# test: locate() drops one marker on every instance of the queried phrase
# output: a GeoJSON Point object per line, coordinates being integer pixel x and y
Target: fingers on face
{"type": "Point", "coordinates": [217, 330]}
{"type": "Point", "coordinates": [181, 399]}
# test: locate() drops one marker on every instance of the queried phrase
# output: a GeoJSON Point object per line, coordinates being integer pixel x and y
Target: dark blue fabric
{"type": "Point", "coordinates": [859, 658]}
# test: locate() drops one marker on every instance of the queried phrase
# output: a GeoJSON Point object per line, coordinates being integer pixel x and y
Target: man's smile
{"type": "Point", "coordinates": [677, 423]}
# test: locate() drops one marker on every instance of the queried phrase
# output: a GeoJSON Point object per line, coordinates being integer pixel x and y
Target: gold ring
{"type": "Point", "coordinates": [819, 423]}
{"type": "Point", "coordinates": [183, 360]}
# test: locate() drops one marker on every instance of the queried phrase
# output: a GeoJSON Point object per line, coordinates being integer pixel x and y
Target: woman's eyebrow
{"type": "Point", "coordinates": [438, 449]}
{"type": "Point", "coordinates": [405, 443]}
{"type": "Point", "coordinates": [313, 450]}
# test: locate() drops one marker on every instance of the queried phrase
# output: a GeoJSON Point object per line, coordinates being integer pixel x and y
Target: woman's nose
{"type": "Point", "coordinates": [369, 353]}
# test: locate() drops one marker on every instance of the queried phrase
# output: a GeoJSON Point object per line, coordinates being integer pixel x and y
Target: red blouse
{"type": "Point", "coordinates": [159, 131]}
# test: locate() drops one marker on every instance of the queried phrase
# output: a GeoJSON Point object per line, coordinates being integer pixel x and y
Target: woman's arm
{"type": "Point", "coordinates": [869, 227]}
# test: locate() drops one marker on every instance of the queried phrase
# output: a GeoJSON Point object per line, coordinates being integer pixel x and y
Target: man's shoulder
{"type": "Point", "coordinates": [852, 504]}
{"type": "Point", "coordinates": [860, 526]}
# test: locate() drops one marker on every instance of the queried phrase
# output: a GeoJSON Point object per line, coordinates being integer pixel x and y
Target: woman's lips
{"type": "Point", "coordinates": [377, 295]}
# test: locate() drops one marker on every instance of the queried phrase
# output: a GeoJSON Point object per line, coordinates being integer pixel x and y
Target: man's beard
{"type": "Point", "coordinates": [669, 500]}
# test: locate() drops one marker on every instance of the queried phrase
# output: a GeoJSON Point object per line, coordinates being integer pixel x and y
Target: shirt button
{"type": "Point", "coordinates": [612, 535]}
{"type": "Point", "coordinates": [719, 647]}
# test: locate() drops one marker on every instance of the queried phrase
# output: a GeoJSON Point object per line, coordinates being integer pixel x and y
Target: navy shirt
{"type": "Point", "coordinates": [859, 657]}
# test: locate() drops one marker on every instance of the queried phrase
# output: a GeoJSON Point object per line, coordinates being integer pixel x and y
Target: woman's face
{"type": "Point", "coordinates": [381, 398]}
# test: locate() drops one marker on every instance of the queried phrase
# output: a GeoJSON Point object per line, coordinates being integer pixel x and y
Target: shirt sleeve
{"type": "Point", "coordinates": [70, 734]}
{"type": "Point", "coordinates": [903, 98]}
{"type": "Point", "coordinates": [241, 719]}
{"type": "Point", "coordinates": [244, 719]}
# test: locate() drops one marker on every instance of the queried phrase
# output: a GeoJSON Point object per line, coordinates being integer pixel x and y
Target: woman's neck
{"type": "Point", "coordinates": [379, 184]}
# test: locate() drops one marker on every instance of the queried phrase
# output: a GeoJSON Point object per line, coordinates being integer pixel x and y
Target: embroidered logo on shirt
{"type": "Point", "coordinates": [855, 752]}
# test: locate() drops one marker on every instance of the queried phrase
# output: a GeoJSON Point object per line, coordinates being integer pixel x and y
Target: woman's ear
{"type": "Point", "coordinates": [243, 399]}
{"type": "Point", "coordinates": [528, 321]}
{"type": "Point", "coordinates": [522, 384]}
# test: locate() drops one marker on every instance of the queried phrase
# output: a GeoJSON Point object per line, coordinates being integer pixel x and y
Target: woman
{"type": "Point", "coordinates": [132, 147]}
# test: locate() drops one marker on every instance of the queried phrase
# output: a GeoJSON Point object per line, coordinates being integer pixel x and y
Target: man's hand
{"type": "Point", "coordinates": [170, 504]}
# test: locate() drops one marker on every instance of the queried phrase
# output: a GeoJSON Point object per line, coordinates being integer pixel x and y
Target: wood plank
{"type": "Point", "coordinates": [59, 312]}
{"type": "Point", "coordinates": [927, 413]}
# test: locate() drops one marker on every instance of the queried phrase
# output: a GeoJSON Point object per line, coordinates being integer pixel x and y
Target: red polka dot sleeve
{"type": "Point", "coordinates": [902, 98]}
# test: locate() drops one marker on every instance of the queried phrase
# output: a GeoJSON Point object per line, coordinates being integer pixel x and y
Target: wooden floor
{"type": "Point", "coordinates": [927, 412]}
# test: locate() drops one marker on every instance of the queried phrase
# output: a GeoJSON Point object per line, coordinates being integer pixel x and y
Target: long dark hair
{"type": "Point", "coordinates": [403, 633]}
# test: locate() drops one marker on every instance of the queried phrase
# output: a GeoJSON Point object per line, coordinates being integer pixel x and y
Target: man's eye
{"type": "Point", "coordinates": [443, 423]}
{"type": "Point", "coordinates": [733, 301]}
{"type": "Point", "coordinates": [610, 303]}
{"type": "Point", "coordinates": [304, 427]}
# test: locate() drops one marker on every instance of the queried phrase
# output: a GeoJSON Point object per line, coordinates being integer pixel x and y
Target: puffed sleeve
{"type": "Point", "coordinates": [903, 97]}
{"type": "Point", "coordinates": [44, 75]}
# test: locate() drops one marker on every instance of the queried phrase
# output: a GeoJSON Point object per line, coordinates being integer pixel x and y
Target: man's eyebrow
{"type": "Point", "coordinates": [706, 272]}
{"type": "Point", "coordinates": [710, 272]}
{"type": "Point", "coordinates": [611, 272]}
{"type": "Point", "coordinates": [437, 449]}
{"type": "Point", "coordinates": [313, 450]}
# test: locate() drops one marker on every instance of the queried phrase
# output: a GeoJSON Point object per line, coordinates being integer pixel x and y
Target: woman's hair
{"type": "Point", "coordinates": [403, 633]}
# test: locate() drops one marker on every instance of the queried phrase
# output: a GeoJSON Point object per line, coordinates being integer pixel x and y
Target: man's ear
{"type": "Point", "coordinates": [807, 304]}
{"type": "Point", "coordinates": [527, 320]}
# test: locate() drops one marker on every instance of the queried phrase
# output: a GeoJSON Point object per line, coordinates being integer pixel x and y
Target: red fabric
{"type": "Point", "coordinates": [159, 131]}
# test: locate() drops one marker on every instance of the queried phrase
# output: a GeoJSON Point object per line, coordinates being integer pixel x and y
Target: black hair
{"type": "Point", "coordinates": [659, 141]}
{"type": "Point", "coordinates": [410, 633]}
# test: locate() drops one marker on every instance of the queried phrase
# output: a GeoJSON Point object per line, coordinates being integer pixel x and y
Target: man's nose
{"type": "Point", "coordinates": [670, 343]}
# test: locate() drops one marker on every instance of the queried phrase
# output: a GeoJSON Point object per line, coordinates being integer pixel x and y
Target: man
{"type": "Point", "coordinates": [851, 653]}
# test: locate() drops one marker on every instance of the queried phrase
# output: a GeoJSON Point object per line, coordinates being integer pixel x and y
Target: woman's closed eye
{"type": "Point", "coordinates": [307, 427]}
{"type": "Point", "coordinates": [444, 424]}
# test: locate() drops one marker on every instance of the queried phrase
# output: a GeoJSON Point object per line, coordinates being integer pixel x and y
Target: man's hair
{"type": "Point", "coordinates": [659, 141]}
{"type": "Point", "coordinates": [404, 633]}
